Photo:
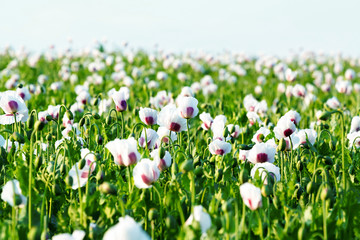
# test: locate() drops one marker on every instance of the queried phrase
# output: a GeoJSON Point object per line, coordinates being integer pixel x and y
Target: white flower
{"type": "Point", "coordinates": [262, 152]}
{"type": "Point", "coordinates": [76, 235]}
{"type": "Point", "coordinates": [12, 104]}
{"type": "Point", "coordinates": [355, 124]}
{"type": "Point", "coordinates": [170, 118]}
{"type": "Point", "coordinates": [251, 196]}
{"type": "Point", "coordinates": [294, 116]}
{"type": "Point", "coordinates": [350, 74]}
{"type": "Point", "coordinates": [284, 128]}
{"type": "Point", "coordinates": [148, 116]}
{"type": "Point", "coordinates": [188, 107]}
{"type": "Point", "coordinates": [124, 151]}
{"type": "Point", "coordinates": [300, 137]}
{"type": "Point", "coordinates": [219, 147]}
{"type": "Point", "coordinates": [333, 103]}
{"type": "Point", "coordinates": [126, 229]}
{"type": "Point", "coordinates": [200, 216]}
{"type": "Point", "coordinates": [145, 173]}
{"type": "Point", "coordinates": [243, 155]}
{"type": "Point", "coordinates": [10, 189]}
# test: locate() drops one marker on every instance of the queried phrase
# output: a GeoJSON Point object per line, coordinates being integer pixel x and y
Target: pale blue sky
{"type": "Point", "coordinates": [268, 26]}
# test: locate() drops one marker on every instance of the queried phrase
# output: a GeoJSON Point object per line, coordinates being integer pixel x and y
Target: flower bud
{"type": "Point", "coordinates": [162, 152]}
{"type": "Point", "coordinates": [38, 162]}
{"type": "Point", "coordinates": [39, 125]}
{"type": "Point", "coordinates": [82, 164]}
{"type": "Point", "coordinates": [282, 145]}
{"type": "Point", "coordinates": [187, 166]}
{"type": "Point", "coordinates": [49, 118]}
{"type": "Point", "coordinates": [325, 116]}
{"type": "Point", "coordinates": [108, 120]}
{"type": "Point", "coordinates": [96, 116]}
{"type": "Point", "coordinates": [30, 121]}
{"type": "Point", "coordinates": [69, 181]}
{"type": "Point", "coordinates": [82, 122]}
{"type": "Point", "coordinates": [325, 193]}
{"type": "Point", "coordinates": [153, 214]}
{"type": "Point", "coordinates": [310, 187]}
{"type": "Point", "coordinates": [17, 137]}
{"type": "Point", "coordinates": [108, 188]}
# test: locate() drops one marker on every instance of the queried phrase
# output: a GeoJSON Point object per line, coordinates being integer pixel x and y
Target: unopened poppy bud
{"type": "Point", "coordinates": [30, 121]}
{"type": "Point", "coordinates": [162, 152]}
{"type": "Point", "coordinates": [99, 139]}
{"type": "Point", "coordinates": [226, 132]}
{"type": "Point", "coordinates": [310, 187]}
{"type": "Point", "coordinates": [39, 125]}
{"type": "Point", "coordinates": [34, 233]}
{"type": "Point", "coordinates": [96, 116]}
{"type": "Point", "coordinates": [108, 120]}
{"type": "Point", "coordinates": [17, 137]}
{"type": "Point", "coordinates": [49, 118]}
{"type": "Point", "coordinates": [299, 166]}
{"type": "Point", "coordinates": [245, 147]}
{"type": "Point", "coordinates": [95, 101]}
{"type": "Point", "coordinates": [153, 214]}
{"type": "Point", "coordinates": [100, 175]}
{"type": "Point", "coordinates": [243, 176]}
{"type": "Point", "coordinates": [277, 202]}
{"type": "Point", "coordinates": [82, 122]}
{"type": "Point", "coordinates": [82, 164]}
{"type": "Point", "coordinates": [266, 190]}
{"type": "Point", "coordinates": [56, 190]}
{"type": "Point", "coordinates": [325, 116]}
{"type": "Point", "coordinates": [69, 115]}
{"type": "Point", "coordinates": [38, 162]}
{"type": "Point", "coordinates": [282, 145]}
{"type": "Point", "coordinates": [69, 181]}
{"type": "Point", "coordinates": [170, 222]}
{"type": "Point", "coordinates": [49, 137]}
{"type": "Point", "coordinates": [187, 166]}
{"type": "Point", "coordinates": [108, 188]}
{"type": "Point", "coordinates": [325, 193]}
{"type": "Point", "coordinates": [226, 206]}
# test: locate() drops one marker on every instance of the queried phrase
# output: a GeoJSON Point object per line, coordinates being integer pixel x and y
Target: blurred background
{"type": "Point", "coordinates": [262, 26]}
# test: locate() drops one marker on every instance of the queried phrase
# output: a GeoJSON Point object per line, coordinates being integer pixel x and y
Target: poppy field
{"type": "Point", "coordinates": [135, 144]}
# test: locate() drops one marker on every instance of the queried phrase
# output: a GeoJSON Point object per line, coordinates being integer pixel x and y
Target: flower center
{"type": "Point", "coordinates": [219, 152]}
{"type": "Point", "coordinates": [13, 105]}
{"type": "Point", "coordinates": [189, 111]}
{"type": "Point", "coordinates": [132, 158]}
{"type": "Point", "coordinates": [175, 127]}
{"type": "Point", "coordinates": [288, 132]}
{"type": "Point", "coordinates": [149, 120]}
{"type": "Point", "coordinates": [262, 157]}
{"type": "Point", "coordinates": [146, 179]}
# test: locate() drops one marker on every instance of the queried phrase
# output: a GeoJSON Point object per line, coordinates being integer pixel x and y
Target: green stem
{"type": "Point", "coordinates": [324, 219]}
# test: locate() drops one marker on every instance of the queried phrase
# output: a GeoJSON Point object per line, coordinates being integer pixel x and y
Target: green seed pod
{"type": "Point", "coordinates": [187, 166]}
{"type": "Point", "coordinates": [108, 188]}
{"type": "Point", "coordinates": [17, 137]}
{"type": "Point", "coordinates": [245, 147]}
{"type": "Point", "coordinates": [170, 222]}
{"type": "Point", "coordinates": [39, 125]}
{"type": "Point", "coordinates": [20, 86]}
{"type": "Point", "coordinates": [325, 116]}
{"type": "Point", "coordinates": [153, 214]}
